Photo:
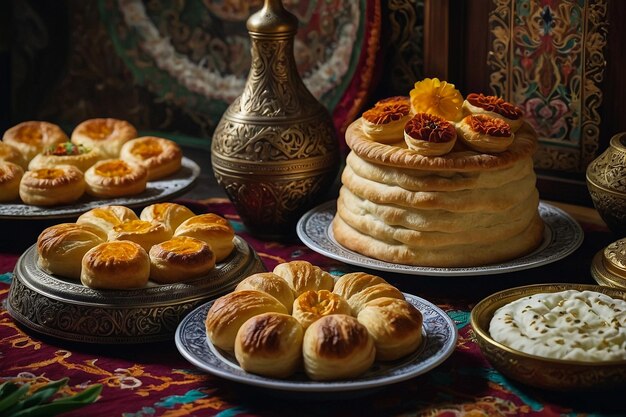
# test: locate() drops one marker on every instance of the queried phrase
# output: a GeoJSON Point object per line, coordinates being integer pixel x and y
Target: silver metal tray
{"type": "Point", "coordinates": [65, 309]}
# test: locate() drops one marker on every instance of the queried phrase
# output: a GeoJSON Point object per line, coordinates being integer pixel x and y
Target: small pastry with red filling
{"type": "Point", "coordinates": [161, 156]}
{"type": "Point", "coordinates": [31, 138]}
{"type": "Point", "coordinates": [179, 259]}
{"type": "Point", "coordinates": [66, 154]}
{"type": "Point", "coordinates": [146, 234]}
{"type": "Point", "coordinates": [495, 107]}
{"type": "Point", "coordinates": [115, 178]}
{"type": "Point", "coordinates": [10, 153]}
{"type": "Point", "coordinates": [63, 184]}
{"type": "Point", "coordinates": [429, 135]}
{"type": "Point", "coordinates": [384, 122]}
{"type": "Point", "coordinates": [484, 133]}
{"type": "Point", "coordinates": [10, 177]}
{"type": "Point", "coordinates": [109, 135]}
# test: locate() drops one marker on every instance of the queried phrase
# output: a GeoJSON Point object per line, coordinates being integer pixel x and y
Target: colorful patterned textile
{"type": "Point", "coordinates": [154, 380]}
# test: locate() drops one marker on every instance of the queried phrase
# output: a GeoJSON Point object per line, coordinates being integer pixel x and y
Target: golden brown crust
{"type": "Point", "coordinates": [10, 176]}
{"type": "Point", "coordinates": [115, 178]}
{"type": "Point", "coordinates": [161, 157]}
{"type": "Point", "coordinates": [146, 234]}
{"type": "Point", "coordinates": [313, 305]}
{"type": "Point", "coordinates": [303, 276]}
{"type": "Point", "coordinates": [215, 230]}
{"type": "Point", "coordinates": [272, 284]}
{"type": "Point", "coordinates": [50, 186]}
{"type": "Point", "coordinates": [109, 135]}
{"type": "Point", "coordinates": [83, 159]}
{"type": "Point", "coordinates": [349, 284]}
{"type": "Point", "coordinates": [107, 216]}
{"type": "Point", "coordinates": [32, 137]}
{"type": "Point", "coordinates": [180, 258]}
{"type": "Point", "coordinates": [171, 215]}
{"type": "Point", "coordinates": [10, 153]}
{"type": "Point", "coordinates": [115, 265]}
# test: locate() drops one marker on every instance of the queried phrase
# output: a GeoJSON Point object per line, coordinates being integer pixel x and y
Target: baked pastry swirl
{"type": "Point", "coordinates": [179, 259]}
{"type": "Point", "coordinates": [63, 184]}
{"type": "Point", "coordinates": [271, 284]}
{"type": "Point", "coordinates": [270, 344]}
{"type": "Point", "coordinates": [215, 230]}
{"type": "Point", "coordinates": [115, 178]}
{"type": "Point", "coordinates": [429, 135]}
{"type": "Point", "coordinates": [161, 157]}
{"type": "Point", "coordinates": [313, 305]}
{"type": "Point", "coordinates": [106, 217]}
{"type": "Point", "coordinates": [146, 234]}
{"type": "Point", "coordinates": [120, 264]}
{"type": "Point", "coordinates": [33, 137]}
{"type": "Point", "coordinates": [109, 135]}
{"type": "Point", "coordinates": [10, 177]}
{"type": "Point", "coordinates": [303, 276]}
{"type": "Point", "coordinates": [485, 133]}
{"type": "Point", "coordinates": [10, 153]}
{"type": "Point", "coordinates": [66, 154]}
{"type": "Point", "coordinates": [350, 284]}
{"type": "Point", "coordinates": [171, 215]}
{"type": "Point", "coordinates": [385, 121]}
{"type": "Point", "coordinates": [335, 347]}
{"type": "Point", "coordinates": [495, 107]}
{"type": "Point", "coordinates": [61, 247]}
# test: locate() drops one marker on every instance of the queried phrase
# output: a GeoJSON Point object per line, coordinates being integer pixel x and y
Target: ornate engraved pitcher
{"type": "Point", "coordinates": [275, 149]}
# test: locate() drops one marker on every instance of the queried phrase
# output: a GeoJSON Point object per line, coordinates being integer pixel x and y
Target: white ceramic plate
{"type": "Point", "coordinates": [439, 340]}
{"type": "Point", "coordinates": [562, 236]}
{"type": "Point", "coordinates": [159, 190]}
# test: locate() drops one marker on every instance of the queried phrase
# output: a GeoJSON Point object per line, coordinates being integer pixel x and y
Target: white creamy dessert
{"type": "Point", "coordinates": [572, 325]}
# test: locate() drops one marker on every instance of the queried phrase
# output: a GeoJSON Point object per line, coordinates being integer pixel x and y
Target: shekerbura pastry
{"type": "Point", "coordinates": [146, 234]}
{"type": "Point", "coordinates": [272, 284]}
{"type": "Point", "coordinates": [270, 344]}
{"type": "Point", "coordinates": [170, 214]}
{"type": "Point", "coordinates": [115, 178]}
{"type": "Point", "coordinates": [495, 107]}
{"type": "Point", "coordinates": [10, 177]}
{"type": "Point", "coordinates": [32, 137]}
{"type": "Point", "coordinates": [303, 276]}
{"type": "Point", "coordinates": [61, 247]}
{"type": "Point", "coordinates": [180, 258]}
{"type": "Point", "coordinates": [395, 325]}
{"type": "Point", "coordinates": [109, 135]}
{"type": "Point", "coordinates": [313, 305]}
{"type": "Point", "coordinates": [215, 230]}
{"type": "Point", "coordinates": [485, 133]}
{"type": "Point", "coordinates": [10, 153]}
{"type": "Point", "coordinates": [63, 184]}
{"type": "Point", "coordinates": [358, 300]}
{"type": "Point", "coordinates": [120, 264]}
{"type": "Point", "coordinates": [349, 284]}
{"type": "Point", "coordinates": [335, 347]}
{"type": "Point", "coordinates": [106, 217]}
{"type": "Point", "coordinates": [230, 311]}
{"type": "Point", "coordinates": [429, 135]}
{"type": "Point", "coordinates": [436, 97]}
{"type": "Point", "coordinates": [161, 157]}
{"type": "Point", "coordinates": [66, 154]}
{"type": "Point", "coordinates": [385, 121]}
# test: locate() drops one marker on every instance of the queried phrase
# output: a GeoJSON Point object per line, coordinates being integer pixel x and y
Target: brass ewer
{"type": "Point", "coordinates": [275, 149]}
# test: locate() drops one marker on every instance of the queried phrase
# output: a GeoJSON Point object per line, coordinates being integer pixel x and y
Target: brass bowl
{"type": "Point", "coordinates": [609, 265]}
{"type": "Point", "coordinates": [537, 371]}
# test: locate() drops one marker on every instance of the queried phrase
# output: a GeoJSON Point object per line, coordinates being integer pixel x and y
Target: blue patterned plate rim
{"type": "Point", "coordinates": [562, 236]}
{"type": "Point", "coordinates": [439, 341]}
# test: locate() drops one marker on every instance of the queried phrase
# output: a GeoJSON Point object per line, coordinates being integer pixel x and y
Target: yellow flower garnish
{"type": "Point", "coordinates": [436, 97]}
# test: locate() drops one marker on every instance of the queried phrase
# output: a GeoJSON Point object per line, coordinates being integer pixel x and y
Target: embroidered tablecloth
{"type": "Point", "coordinates": [155, 380]}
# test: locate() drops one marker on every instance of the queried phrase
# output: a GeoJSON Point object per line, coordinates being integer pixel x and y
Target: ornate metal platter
{"type": "Point", "coordinates": [156, 191]}
{"type": "Point", "coordinates": [439, 340]}
{"type": "Point", "coordinates": [66, 309]}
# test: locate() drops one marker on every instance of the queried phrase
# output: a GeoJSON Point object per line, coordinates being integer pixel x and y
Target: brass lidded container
{"type": "Point", "coordinates": [275, 150]}
{"type": "Point", "coordinates": [609, 265]}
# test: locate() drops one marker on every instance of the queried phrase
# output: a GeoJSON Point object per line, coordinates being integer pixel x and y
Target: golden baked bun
{"type": "Point", "coordinates": [146, 234]}
{"type": "Point", "coordinates": [361, 298]}
{"type": "Point", "coordinates": [495, 107]}
{"type": "Point", "coordinates": [385, 121]}
{"type": "Point", "coordinates": [161, 157]}
{"type": "Point", "coordinates": [395, 325]}
{"type": "Point", "coordinates": [106, 217]}
{"type": "Point", "coordinates": [33, 137]}
{"type": "Point", "coordinates": [303, 276]}
{"type": "Point", "coordinates": [108, 135]}
{"type": "Point", "coordinates": [120, 264]}
{"type": "Point", "coordinates": [11, 154]}
{"type": "Point", "coordinates": [311, 306]}
{"type": "Point", "coordinates": [271, 284]}
{"type": "Point", "coordinates": [215, 230]}
{"type": "Point", "coordinates": [66, 154]}
{"type": "Point", "coordinates": [63, 184]}
{"type": "Point", "coordinates": [61, 247]}
{"type": "Point", "coordinates": [10, 176]}
{"type": "Point", "coordinates": [350, 284]}
{"type": "Point", "coordinates": [170, 214]}
{"type": "Point", "coordinates": [336, 347]}
{"type": "Point", "coordinates": [429, 135]}
{"type": "Point", "coordinates": [229, 312]}
{"type": "Point", "coordinates": [179, 259]}
{"type": "Point", "coordinates": [270, 344]}
{"type": "Point", "coordinates": [115, 178]}
{"type": "Point", "coordinates": [485, 133]}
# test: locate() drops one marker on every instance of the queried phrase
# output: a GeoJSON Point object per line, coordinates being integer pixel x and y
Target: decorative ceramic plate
{"type": "Point", "coordinates": [562, 236]}
{"type": "Point", "coordinates": [156, 191]}
{"type": "Point", "coordinates": [439, 340]}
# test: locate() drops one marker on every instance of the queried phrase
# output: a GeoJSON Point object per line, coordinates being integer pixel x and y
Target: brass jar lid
{"type": "Point", "coordinates": [609, 265]}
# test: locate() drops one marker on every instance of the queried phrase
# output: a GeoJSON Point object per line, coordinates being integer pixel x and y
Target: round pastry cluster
{"type": "Point", "coordinates": [104, 158]}
{"type": "Point", "coordinates": [298, 317]}
{"type": "Point", "coordinates": [572, 325]}
{"type": "Point", "coordinates": [435, 114]}
{"type": "Point", "coordinates": [110, 247]}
